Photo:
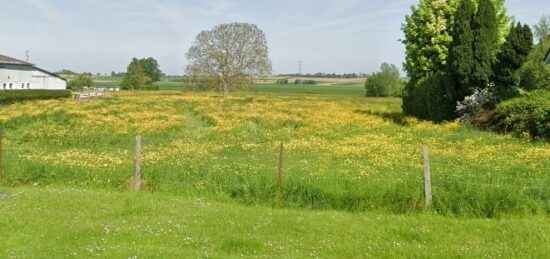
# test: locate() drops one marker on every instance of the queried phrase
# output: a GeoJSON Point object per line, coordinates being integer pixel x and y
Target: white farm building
{"type": "Point", "coordinates": [17, 75]}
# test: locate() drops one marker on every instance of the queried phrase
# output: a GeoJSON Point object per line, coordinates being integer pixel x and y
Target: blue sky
{"type": "Point", "coordinates": [103, 35]}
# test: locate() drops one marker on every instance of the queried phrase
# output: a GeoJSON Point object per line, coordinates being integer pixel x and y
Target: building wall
{"type": "Point", "coordinates": [28, 77]}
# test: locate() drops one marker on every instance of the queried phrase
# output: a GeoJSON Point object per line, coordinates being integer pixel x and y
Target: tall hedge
{"type": "Point", "coordinates": [431, 98]}
{"type": "Point", "coordinates": [12, 96]}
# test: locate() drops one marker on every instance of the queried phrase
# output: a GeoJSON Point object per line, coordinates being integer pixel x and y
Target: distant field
{"type": "Point", "coordinates": [350, 90]}
{"type": "Point", "coordinates": [349, 87]}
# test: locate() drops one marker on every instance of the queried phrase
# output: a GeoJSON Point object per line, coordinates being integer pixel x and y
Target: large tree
{"type": "Point", "coordinates": [427, 41]}
{"type": "Point", "coordinates": [427, 38]}
{"type": "Point", "coordinates": [135, 77]}
{"type": "Point", "coordinates": [151, 68]}
{"type": "Point", "coordinates": [460, 61]}
{"type": "Point", "coordinates": [511, 57]}
{"type": "Point", "coordinates": [484, 27]}
{"type": "Point", "coordinates": [229, 54]}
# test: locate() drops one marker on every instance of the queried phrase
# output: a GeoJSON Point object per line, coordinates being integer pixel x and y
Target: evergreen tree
{"type": "Point", "coordinates": [511, 58]}
{"type": "Point", "coordinates": [484, 27]}
{"type": "Point", "coordinates": [136, 78]}
{"type": "Point", "coordinates": [460, 60]}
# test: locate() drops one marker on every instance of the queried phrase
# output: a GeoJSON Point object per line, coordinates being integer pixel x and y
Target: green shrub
{"type": "Point", "coordinates": [525, 115]}
{"type": "Point", "coordinates": [282, 81]}
{"type": "Point", "coordinates": [430, 98]}
{"type": "Point", "coordinates": [305, 82]}
{"type": "Point", "coordinates": [12, 96]}
{"type": "Point", "coordinates": [80, 82]}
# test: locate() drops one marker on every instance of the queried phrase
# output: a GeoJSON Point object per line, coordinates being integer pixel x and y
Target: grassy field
{"type": "Point", "coordinates": [325, 86]}
{"type": "Point", "coordinates": [348, 161]}
{"type": "Point", "coordinates": [70, 222]}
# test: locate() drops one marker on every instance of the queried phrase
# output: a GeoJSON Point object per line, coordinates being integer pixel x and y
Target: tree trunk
{"type": "Point", "coordinates": [225, 89]}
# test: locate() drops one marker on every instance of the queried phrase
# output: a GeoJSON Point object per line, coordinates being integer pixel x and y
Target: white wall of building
{"type": "Point", "coordinates": [28, 77]}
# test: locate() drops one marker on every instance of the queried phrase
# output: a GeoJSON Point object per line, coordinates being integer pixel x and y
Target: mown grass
{"type": "Point", "coordinates": [341, 152]}
{"type": "Point", "coordinates": [66, 222]}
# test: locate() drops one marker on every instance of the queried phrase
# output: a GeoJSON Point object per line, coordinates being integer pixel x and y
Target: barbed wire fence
{"type": "Point", "coordinates": [271, 173]}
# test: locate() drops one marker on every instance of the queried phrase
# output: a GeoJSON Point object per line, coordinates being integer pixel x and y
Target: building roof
{"type": "Point", "coordinates": [548, 57]}
{"type": "Point", "coordinates": [12, 61]}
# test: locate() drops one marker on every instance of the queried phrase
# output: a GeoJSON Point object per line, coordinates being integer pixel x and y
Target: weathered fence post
{"type": "Point", "coordinates": [1, 156]}
{"type": "Point", "coordinates": [427, 176]}
{"type": "Point", "coordinates": [137, 169]}
{"type": "Point", "coordinates": [280, 171]}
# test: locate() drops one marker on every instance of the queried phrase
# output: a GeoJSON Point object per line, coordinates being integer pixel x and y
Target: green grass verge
{"type": "Point", "coordinates": [68, 222]}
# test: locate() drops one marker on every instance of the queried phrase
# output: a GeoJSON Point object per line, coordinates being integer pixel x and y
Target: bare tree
{"type": "Point", "coordinates": [229, 54]}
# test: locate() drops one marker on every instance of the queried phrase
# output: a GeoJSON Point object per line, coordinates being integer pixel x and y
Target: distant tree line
{"type": "Point", "coordinates": [326, 75]}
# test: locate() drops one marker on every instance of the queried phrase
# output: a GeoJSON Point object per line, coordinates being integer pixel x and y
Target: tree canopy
{"type": "Point", "coordinates": [512, 56]}
{"type": "Point", "coordinates": [151, 68]}
{"type": "Point", "coordinates": [229, 55]}
{"type": "Point", "coordinates": [135, 77]}
{"type": "Point", "coordinates": [386, 82]}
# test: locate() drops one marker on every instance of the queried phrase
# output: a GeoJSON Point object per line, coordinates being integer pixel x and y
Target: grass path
{"type": "Point", "coordinates": [67, 222]}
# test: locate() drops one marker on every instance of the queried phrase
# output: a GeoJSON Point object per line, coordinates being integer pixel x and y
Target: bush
{"type": "Point", "coordinates": [282, 81]}
{"type": "Point", "coordinates": [305, 82]}
{"type": "Point", "coordinates": [80, 82]}
{"type": "Point", "coordinates": [528, 115]}
{"type": "Point", "coordinates": [479, 102]}
{"type": "Point", "coordinates": [386, 82]}
{"type": "Point", "coordinates": [12, 96]}
{"type": "Point", "coordinates": [430, 98]}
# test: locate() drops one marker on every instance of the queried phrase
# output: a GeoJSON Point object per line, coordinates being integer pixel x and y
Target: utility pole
{"type": "Point", "coordinates": [27, 54]}
{"type": "Point", "coordinates": [300, 72]}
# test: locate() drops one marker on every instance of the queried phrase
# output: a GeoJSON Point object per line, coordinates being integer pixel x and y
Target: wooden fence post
{"type": "Point", "coordinates": [280, 171]}
{"type": "Point", "coordinates": [427, 176]}
{"type": "Point", "coordinates": [137, 169]}
{"type": "Point", "coordinates": [1, 156]}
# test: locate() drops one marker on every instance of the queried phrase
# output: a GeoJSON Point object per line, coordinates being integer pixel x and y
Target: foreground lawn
{"type": "Point", "coordinates": [50, 222]}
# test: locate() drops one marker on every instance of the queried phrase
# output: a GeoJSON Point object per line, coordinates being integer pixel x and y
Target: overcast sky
{"type": "Point", "coordinates": [340, 36]}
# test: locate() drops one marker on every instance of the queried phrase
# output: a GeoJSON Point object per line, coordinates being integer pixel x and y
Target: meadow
{"type": "Point", "coordinates": [348, 160]}
{"type": "Point", "coordinates": [346, 153]}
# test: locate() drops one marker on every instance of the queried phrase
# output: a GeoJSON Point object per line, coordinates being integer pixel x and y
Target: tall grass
{"type": "Point", "coordinates": [345, 153]}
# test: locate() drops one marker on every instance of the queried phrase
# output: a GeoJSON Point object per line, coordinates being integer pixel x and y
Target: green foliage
{"type": "Point", "coordinates": [431, 98]}
{"type": "Point", "coordinates": [461, 63]}
{"type": "Point", "coordinates": [80, 82]}
{"type": "Point", "coordinates": [12, 96]}
{"type": "Point", "coordinates": [511, 58]}
{"type": "Point", "coordinates": [151, 68]}
{"type": "Point", "coordinates": [136, 78]}
{"type": "Point", "coordinates": [484, 27]}
{"type": "Point", "coordinates": [535, 74]}
{"type": "Point", "coordinates": [282, 81]}
{"type": "Point", "coordinates": [427, 38]}
{"type": "Point", "coordinates": [386, 82]}
{"type": "Point", "coordinates": [305, 82]}
{"type": "Point", "coordinates": [528, 115]}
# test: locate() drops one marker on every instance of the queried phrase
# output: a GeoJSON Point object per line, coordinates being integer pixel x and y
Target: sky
{"type": "Point", "coordinates": [336, 36]}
